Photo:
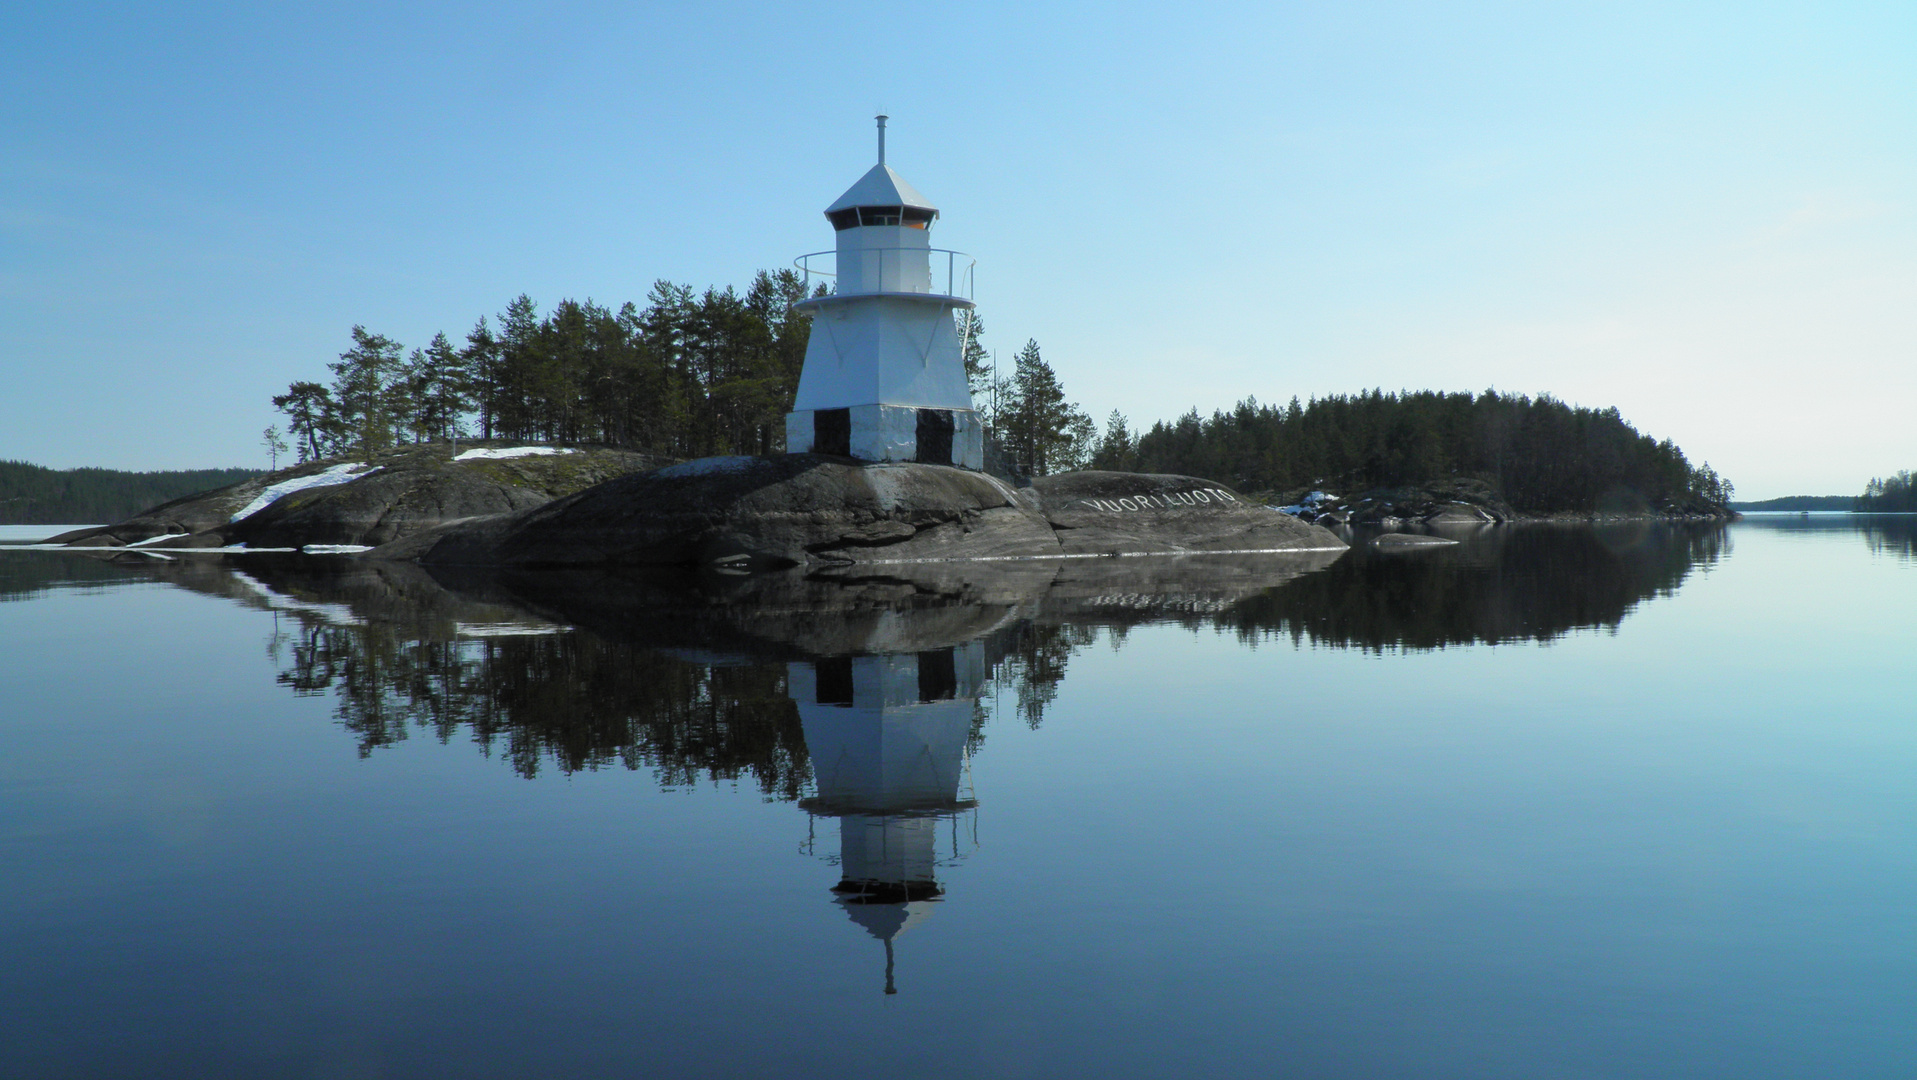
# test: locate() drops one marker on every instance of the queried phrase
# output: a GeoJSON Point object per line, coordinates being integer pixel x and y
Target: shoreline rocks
{"type": "Point", "coordinates": [752, 513]}
{"type": "Point", "coordinates": [367, 502]}
{"type": "Point", "coordinates": [1465, 501]}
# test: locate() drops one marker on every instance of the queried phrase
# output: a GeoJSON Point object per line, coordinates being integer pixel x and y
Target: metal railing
{"type": "Point", "coordinates": [959, 275]}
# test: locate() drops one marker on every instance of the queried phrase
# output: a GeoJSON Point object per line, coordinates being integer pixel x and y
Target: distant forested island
{"type": "Point", "coordinates": [691, 374]}
{"type": "Point", "coordinates": [1896, 494]}
{"type": "Point", "coordinates": [1541, 454]}
{"type": "Point", "coordinates": [33, 495]}
{"type": "Point", "coordinates": [1799, 503]}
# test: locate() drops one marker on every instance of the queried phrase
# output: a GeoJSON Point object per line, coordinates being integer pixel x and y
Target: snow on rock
{"type": "Point", "coordinates": [335, 549]}
{"type": "Point", "coordinates": [338, 474]}
{"type": "Point", "coordinates": [507, 629]}
{"type": "Point", "coordinates": [708, 466]}
{"type": "Point", "coordinates": [511, 452]}
{"type": "Point", "coordinates": [334, 614]}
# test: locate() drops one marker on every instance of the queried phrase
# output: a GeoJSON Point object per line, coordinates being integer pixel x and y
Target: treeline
{"type": "Point", "coordinates": [1540, 453]}
{"type": "Point", "coordinates": [1894, 495]}
{"type": "Point", "coordinates": [692, 374]}
{"type": "Point", "coordinates": [570, 701]}
{"type": "Point", "coordinates": [35, 495]}
{"type": "Point", "coordinates": [1795, 503]}
{"type": "Point", "coordinates": [689, 374]}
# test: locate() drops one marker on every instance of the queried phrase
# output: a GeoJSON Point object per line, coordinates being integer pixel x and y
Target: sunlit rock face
{"type": "Point", "coordinates": [1115, 513]}
{"type": "Point", "coordinates": [813, 510]}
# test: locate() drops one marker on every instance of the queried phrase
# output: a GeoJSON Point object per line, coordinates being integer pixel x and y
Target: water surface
{"type": "Point", "coordinates": [1560, 802]}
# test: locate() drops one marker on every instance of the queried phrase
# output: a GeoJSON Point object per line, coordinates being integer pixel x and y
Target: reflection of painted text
{"type": "Point", "coordinates": [1172, 501]}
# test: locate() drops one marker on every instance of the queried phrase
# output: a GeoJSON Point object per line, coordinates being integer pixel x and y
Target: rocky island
{"type": "Point", "coordinates": [752, 513]}
{"type": "Point", "coordinates": [531, 506]}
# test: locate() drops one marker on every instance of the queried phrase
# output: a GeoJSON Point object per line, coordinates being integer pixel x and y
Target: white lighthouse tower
{"type": "Point", "coordinates": [884, 376]}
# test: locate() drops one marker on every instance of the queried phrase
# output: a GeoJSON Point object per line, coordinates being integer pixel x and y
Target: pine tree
{"type": "Point", "coordinates": [978, 362]}
{"type": "Point", "coordinates": [1038, 424]}
{"type": "Point", "coordinates": [1117, 451]}
{"type": "Point", "coordinates": [480, 361]}
{"type": "Point", "coordinates": [446, 388]}
{"type": "Point", "coordinates": [361, 390]}
{"type": "Point", "coordinates": [309, 417]}
{"type": "Point", "coordinates": [274, 444]}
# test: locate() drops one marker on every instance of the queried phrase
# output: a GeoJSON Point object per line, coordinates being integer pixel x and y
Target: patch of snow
{"type": "Point", "coordinates": [342, 473]}
{"type": "Point", "coordinates": [332, 614]}
{"type": "Point", "coordinates": [507, 629]}
{"type": "Point", "coordinates": [156, 539]}
{"type": "Point", "coordinates": [335, 549]}
{"type": "Point", "coordinates": [709, 466]}
{"type": "Point", "coordinates": [511, 452]}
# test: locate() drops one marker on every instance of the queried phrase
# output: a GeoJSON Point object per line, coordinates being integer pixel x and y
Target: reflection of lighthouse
{"type": "Point", "coordinates": [886, 735]}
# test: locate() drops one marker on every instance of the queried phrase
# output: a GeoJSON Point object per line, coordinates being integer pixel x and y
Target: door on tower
{"type": "Point", "coordinates": [935, 437]}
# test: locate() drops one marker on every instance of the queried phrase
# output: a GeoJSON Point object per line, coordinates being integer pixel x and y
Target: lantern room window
{"type": "Point", "coordinates": [910, 216]}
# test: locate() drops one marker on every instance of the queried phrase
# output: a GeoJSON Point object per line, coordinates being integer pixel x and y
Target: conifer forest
{"type": "Point", "coordinates": [691, 374]}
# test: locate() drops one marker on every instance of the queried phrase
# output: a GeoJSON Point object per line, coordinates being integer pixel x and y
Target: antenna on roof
{"type": "Point", "coordinates": [882, 118]}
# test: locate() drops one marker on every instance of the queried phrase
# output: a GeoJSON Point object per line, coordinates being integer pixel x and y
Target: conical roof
{"type": "Point", "coordinates": [880, 186]}
{"type": "Point", "coordinates": [887, 921]}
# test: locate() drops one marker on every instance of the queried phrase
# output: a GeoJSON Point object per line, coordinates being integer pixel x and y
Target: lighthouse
{"type": "Point", "coordinates": [884, 375]}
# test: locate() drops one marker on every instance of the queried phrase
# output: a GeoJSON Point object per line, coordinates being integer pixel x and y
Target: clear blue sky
{"type": "Point", "coordinates": [1702, 214]}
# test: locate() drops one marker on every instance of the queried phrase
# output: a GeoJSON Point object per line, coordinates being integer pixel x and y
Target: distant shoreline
{"type": "Point", "coordinates": [1798, 504]}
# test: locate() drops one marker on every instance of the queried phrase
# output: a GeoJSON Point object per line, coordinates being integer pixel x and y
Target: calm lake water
{"type": "Point", "coordinates": [1557, 802]}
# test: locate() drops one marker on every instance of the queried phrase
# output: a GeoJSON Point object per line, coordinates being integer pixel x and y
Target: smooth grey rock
{"type": "Point", "coordinates": [1111, 513]}
{"type": "Point", "coordinates": [414, 488]}
{"type": "Point", "coordinates": [381, 507]}
{"type": "Point", "coordinates": [753, 512]}
{"type": "Point", "coordinates": [1459, 513]}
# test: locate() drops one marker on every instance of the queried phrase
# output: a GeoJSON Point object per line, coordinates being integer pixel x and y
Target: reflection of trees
{"type": "Point", "coordinates": [581, 702]}
{"type": "Point", "coordinates": [1507, 584]}
{"type": "Point", "coordinates": [1890, 535]}
{"type": "Point", "coordinates": [574, 699]}
{"type": "Point", "coordinates": [698, 690]}
{"type": "Point", "coordinates": [1033, 666]}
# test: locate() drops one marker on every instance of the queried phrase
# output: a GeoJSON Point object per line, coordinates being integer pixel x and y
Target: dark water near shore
{"type": "Point", "coordinates": [1566, 802]}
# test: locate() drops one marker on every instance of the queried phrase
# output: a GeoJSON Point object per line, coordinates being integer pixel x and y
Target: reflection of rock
{"type": "Point", "coordinates": [808, 509]}
{"type": "Point", "coordinates": [1394, 541]}
{"type": "Point", "coordinates": [410, 489]}
{"type": "Point", "coordinates": [904, 607]}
